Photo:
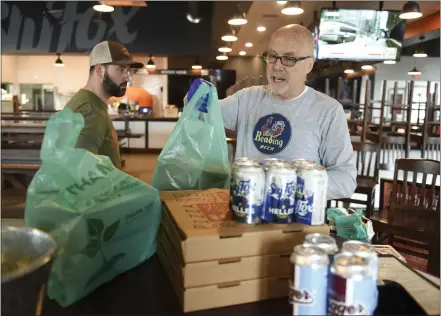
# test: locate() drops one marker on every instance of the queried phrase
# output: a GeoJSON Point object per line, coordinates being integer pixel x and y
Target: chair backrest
{"type": "Point", "coordinates": [367, 159]}
{"type": "Point", "coordinates": [392, 148]}
{"type": "Point", "coordinates": [416, 206]}
{"type": "Point", "coordinates": [432, 148]}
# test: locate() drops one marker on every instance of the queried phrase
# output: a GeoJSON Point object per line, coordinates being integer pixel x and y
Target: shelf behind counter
{"type": "Point", "coordinates": [144, 133]}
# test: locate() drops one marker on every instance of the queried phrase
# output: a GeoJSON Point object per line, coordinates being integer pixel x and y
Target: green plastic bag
{"type": "Point", "coordinates": [103, 220]}
{"type": "Point", "coordinates": [195, 156]}
{"type": "Point", "coordinates": [348, 226]}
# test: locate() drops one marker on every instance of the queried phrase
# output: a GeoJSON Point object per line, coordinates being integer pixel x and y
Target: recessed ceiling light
{"type": "Point", "coordinates": [367, 67]}
{"type": "Point", "coordinates": [242, 53]}
{"type": "Point", "coordinates": [249, 44]}
{"type": "Point", "coordinates": [224, 49]}
{"type": "Point", "coordinates": [349, 71]}
{"type": "Point", "coordinates": [282, 2]}
{"type": "Point", "coordinates": [261, 29]}
{"type": "Point", "coordinates": [389, 62]}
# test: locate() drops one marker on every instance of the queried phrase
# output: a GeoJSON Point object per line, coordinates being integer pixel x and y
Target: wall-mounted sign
{"type": "Point", "coordinates": [75, 27]}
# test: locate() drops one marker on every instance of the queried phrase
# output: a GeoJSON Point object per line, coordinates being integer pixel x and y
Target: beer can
{"type": "Point", "coordinates": [363, 249]}
{"type": "Point", "coordinates": [352, 288]}
{"type": "Point", "coordinates": [309, 280]}
{"type": "Point", "coordinates": [325, 242]}
{"type": "Point", "coordinates": [243, 161]}
{"type": "Point", "coordinates": [280, 186]}
{"type": "Point", "coordinates": [269, 162]}
{"type": "Point", "coordinates": [247, 194]}
{"type": "Point", "coordinates": [301, 162]}
{"type": "Point", "coordinates": [311, 189]}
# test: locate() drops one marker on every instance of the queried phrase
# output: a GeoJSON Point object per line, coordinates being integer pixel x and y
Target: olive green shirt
{"type": "Point", "coordinates": [98, 135]}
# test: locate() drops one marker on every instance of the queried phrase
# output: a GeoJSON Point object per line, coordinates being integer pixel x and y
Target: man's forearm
{"type": "Point", "coordinates": [342, 182]}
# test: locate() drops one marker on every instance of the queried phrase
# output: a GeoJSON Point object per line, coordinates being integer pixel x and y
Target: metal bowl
{"type": "Point", "coordinates": [27, 256]}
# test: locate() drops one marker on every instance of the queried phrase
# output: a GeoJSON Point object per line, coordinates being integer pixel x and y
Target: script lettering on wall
{"type": "Point", "coordinates": [71, 30]}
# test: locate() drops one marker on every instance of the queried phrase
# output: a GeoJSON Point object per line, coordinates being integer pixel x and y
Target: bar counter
{"type": "Point", "coordinates": [149, 134]}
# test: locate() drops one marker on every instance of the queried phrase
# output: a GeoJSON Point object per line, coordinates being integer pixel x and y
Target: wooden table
{"type": "Point", "coordinates": [146, 290]}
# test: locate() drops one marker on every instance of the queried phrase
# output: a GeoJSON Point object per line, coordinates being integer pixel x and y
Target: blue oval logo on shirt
{"type": "Point", "coordinates": [272, 134]}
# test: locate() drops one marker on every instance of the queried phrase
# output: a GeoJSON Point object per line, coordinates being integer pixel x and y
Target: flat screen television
{"type": "Point", "coordinates": [360, 35]}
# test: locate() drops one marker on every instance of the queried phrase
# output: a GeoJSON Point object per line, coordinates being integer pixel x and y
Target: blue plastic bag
{"type": "Point", "coordinates": [195, 156]}
{"type": "Point", "coordinates": [103, 220]}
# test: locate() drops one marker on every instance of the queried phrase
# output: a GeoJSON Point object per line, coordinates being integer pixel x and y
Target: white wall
{"type": "Point", "coordinates": [430, 68]}
{"type": "Point", "coordinates": [39, 69]}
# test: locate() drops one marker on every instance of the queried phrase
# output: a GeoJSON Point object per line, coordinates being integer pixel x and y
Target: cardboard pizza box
{"type": "Point", "coordinates": [225, 293]}
{"type": "Point", "coordinates": [201, 228]}
{"type": "Point", "coordinates": [224, 270]}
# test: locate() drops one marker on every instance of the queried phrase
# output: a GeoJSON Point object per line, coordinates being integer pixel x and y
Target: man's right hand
{"type": "Point", "coordinates": [194, 86]}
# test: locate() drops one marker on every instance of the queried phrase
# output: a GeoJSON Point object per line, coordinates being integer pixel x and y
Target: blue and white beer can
{"type": "Point", "coordinates": [352, 288]}
{"type": "Point", "coordinates": [280, 187]}
{"type": "Point", "coordinates": [247, 193]}
{"type": "Point", "coordinates": [311, 189]}
{"type": "Point", "coordinates": [309, 280]}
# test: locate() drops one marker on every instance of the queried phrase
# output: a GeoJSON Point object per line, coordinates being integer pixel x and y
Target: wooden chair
{"type": "Point", "coordinates": [414, 211]}
{"type": "Point", "coordinates": [367, 159]}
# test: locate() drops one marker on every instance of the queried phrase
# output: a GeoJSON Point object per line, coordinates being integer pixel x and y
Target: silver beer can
{"type": "Point", "coordinates": [363, 249]}
{"type": "Point", "coordinates": [247, 194]}
{"type": "Point", "coordinates": [311, 190]}
{"type": "Point", "coordinates": [280, 188]}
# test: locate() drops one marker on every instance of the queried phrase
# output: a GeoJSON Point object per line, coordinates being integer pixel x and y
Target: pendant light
{"type": "Point", "coordinates": [411, 10]}
{"type": "Point", "coordinates": [101, 7]}
{"type": "Point", "coordinates": [420, 53]}
{"type": "Point", "coordinates": [224, 49]}
{"type": "Point", "coordinates": [292, 8]}
{"type": "Point", "coordinates": [239, 18]}
{"type": "Point", "coordinates": [229, 37]}
{"type": "Point", "coordinates": [222, 57]}
{"type": "Point", "coordinates": [414, 72]}
{"type": "Point", "coordinates": [389, 62]}
{"type": "Point", "coordinates": [58, 62]}
{"type": "Point", "coordinates": [150, 64]}
{"type": "Point", "coordinates": [196, 65]}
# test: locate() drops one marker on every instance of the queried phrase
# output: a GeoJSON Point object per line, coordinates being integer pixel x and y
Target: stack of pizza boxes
{"type": "Point", "coordinates": [213, 261]}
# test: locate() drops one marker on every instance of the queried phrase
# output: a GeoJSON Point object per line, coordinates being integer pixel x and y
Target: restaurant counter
{"type": "Point", "coordinates": [144, 133]}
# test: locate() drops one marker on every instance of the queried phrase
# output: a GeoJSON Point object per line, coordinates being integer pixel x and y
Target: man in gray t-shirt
{"type": "Point", "coordinates": [289, 120]}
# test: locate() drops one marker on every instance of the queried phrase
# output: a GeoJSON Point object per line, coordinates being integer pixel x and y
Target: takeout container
{"type": "Point", "coordinates": [24, 287]}
{"type": "Point", "coordinates": [213, 261]}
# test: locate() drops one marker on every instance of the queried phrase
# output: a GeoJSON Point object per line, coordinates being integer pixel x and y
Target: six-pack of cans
{"type": "Point", "coordinates": [328, 281]}
{"type": "Point", "coordinates": [278, 191]}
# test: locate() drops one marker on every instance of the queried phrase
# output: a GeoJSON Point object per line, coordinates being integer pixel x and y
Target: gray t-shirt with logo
{"type": "Point", "coordinates": [312, 126]}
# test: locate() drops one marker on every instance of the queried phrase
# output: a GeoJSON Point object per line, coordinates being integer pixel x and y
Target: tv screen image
{"type": "Point", "coordinates": [356, 34]}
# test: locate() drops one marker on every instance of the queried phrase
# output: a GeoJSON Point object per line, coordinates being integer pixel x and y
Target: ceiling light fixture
{"type": "Point", "coordinates": [261, 29]}
{"type": "Point", "coordinates": [411, 10]}
{"type": "Point", "coordinates": [229, 37]}
{"type": "Point", "coordinates": [242, 53]}
{"type": "Point", "coordinates": [224, 49]}
{"type": "Point", "coordinates": [414, 72]}
{"type": "Point", "coordinates": [196, 65]}
{"type": "Point", "coordinates": [238, 19]}
{"type": "Point", "coordinates": [419, 53]}
{"type": "Point", "coordinates": [367, 67]}
{"type": "Point", "coordinates": [150, 64]}
{"type": "Point", "coordinates": [282, 2]}
{"type": "Point", "coordinates": [248, 44]}
{"type": "Point", "coordinates": [389, 62]}
{"type": "Point", "coordinates": [58, 62]}
{"type": "Point", "coordinates": [222, 57]}
{"type": "Point", "coordinates": [101, 7]}
{"type": "Point", "coordinates": [292, 8]}
{"type": "Point", "coordinates": [349, 71]}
